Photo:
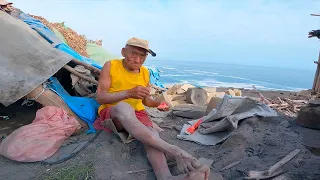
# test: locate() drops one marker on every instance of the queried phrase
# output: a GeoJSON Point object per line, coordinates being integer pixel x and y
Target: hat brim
{"type": "Point", "coordinates": [6, 4]}
{"type": "Point", "coordinates": [148, 50]}
{"type": "Point", "coordinates": [153, 54]}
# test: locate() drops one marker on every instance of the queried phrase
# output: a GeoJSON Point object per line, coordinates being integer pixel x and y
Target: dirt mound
{"type": "Point", "coordinates": [76, 41]}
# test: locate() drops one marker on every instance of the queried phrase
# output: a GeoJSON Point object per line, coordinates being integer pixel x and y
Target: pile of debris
{"type": "Point", "coordinates": [74, 40]}
{"type": "Point", "coordinates": [180, 94]}
{"type": "Point", "coordinates": [287, 106]}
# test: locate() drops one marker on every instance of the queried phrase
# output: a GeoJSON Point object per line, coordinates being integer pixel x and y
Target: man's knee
{"type": "Point", "coordinates": [122, 111]}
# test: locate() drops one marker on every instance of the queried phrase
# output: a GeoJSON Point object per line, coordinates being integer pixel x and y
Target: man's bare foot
{"type": "Point", "coordinates": [202, 173]}
{"type": "Point", "coordinates": [185, 162]}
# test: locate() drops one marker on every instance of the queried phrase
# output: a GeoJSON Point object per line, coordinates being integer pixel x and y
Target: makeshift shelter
{"type": "Point", "coordinates": [38, 62]}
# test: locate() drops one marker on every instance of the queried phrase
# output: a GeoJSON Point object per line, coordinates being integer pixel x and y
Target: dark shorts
{"type": "Point", "coordinates": [142, 116]}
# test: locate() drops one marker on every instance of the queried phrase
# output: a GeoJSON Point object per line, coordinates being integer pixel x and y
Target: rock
{"type": "Point", "coordinates": [210, 89]}
{"type": "Point", "coordinates": [230, 92]}
{"type": "Point", "coordinates": [184, 88]}
{"type": "Point", "coordinates": [189, 111]}
{"type": "Point", "coordinates": [174, 89]}
{"type": "Point", "coordinates": [285, 124]}
{"type": "Point", "coordinates": [220, 94]}
{"type": "Point", "coordinates": [177, 127]}
{"type": "Point", "coordinates": [213, 104]}
{"type": "Point", "coordinates": [166, 98]}
{"type": "Point", "coordinates": [210, 96]}
{"type": "Point", "coordinates": [178, 97]}
{"type": "Point", "coordinates": [179, 102]}
{"type": "Point", "coordinates": [309, 117]}
{"type": "Point", "coordinates": [237, 92]}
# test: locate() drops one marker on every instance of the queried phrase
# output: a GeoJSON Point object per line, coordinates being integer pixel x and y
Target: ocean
{"type": "Point", "coordinates": [230, 75]}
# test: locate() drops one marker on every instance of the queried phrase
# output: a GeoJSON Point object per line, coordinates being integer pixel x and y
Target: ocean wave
{"type": "Point", "coordinates": [200, 72]}
{"type": "Point", "coordinates": [169, 68]}
{"type": "Point", "coordinates": [175, 75]}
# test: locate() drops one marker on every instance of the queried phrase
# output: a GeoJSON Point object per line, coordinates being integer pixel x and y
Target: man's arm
{"type": "Point", "coordinates": [103, 97]}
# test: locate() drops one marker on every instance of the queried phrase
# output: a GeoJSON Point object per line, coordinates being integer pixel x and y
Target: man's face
{"type": "Point", "coordinates": [7, 7]}
{"type": "Point", "coordinates": [134, 57]}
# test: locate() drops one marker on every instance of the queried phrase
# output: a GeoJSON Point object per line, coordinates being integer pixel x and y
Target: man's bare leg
{"type": "Point", "coordinates": [159, 164]}
{"type": "Point", "coordinates": [126, 115]}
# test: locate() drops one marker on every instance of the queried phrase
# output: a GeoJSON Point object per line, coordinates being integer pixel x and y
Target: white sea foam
{"type": "Point", "coordinates": [175, 75]}
{"type": "Point", "coordinates": [169, 68]}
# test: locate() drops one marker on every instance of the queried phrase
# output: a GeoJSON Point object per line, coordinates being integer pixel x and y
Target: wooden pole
{"type": "Point", "coordinates": [316, 82]}
{"type": "Point", "coordinates": [70, 69]}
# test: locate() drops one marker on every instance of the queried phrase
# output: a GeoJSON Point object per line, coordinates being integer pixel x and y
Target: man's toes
{"type": "Point", "coordinates": [195, 163]}
{"type": "Point", "coordinates": [190, 167]}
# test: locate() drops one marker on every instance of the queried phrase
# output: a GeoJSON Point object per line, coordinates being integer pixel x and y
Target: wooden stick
{"type": "Point", "coordinates": [283, 161]}
{"type": "Point", "coordinates": [94, 69]}
{"type": "Point", "coordinates": [70, 69]}
{"type": "Point", "coordinates": [316, 76]}
{"type": "Point", "coordinates": [315, 14]}
{"type": "Point", "coordinates": [261, 96]}
{"type": "Point", "coordinates": [230, 166]}
{"type": "Point", "coordinates": [280, 100]}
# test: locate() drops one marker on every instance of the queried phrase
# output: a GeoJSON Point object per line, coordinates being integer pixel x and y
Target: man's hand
{"type": "Point", "coordinates": [138, 92]}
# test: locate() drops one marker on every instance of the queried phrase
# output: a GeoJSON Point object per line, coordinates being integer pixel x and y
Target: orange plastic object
{"type": "Point", "coordinates": [163, 107]}
{"type": "Point", "coordinates": [194, 127]}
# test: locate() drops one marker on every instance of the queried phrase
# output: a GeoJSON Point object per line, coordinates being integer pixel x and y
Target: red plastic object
{"type": "Point", "coordinates": [163, 107]}
{"type": "Point", "coordinates": [194, 127]}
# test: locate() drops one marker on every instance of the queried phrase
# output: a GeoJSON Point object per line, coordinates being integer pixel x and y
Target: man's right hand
{"type": "Point", "coordinates": [138, 92]}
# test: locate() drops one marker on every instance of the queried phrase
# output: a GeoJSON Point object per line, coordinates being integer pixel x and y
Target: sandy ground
{"type": "Point", "coordinates": [257, 144]}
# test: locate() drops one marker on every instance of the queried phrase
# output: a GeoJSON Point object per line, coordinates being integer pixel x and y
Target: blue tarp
{"type": "Point", "coordinates": [155, 76]}
{"type": "Point", "coordinates": [43, 30]}
{"type": "Point", "coordinates": [85, 108]}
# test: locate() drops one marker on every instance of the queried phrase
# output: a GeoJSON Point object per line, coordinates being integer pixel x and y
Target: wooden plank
{"type": "Point", "coordinates": [315, 81]}
{"type": "Point", "coordinates": [73, 71]}
{"type": "Point", "coordinates": [318, 84]}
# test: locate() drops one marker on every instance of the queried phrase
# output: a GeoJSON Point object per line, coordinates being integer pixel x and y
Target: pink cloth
{"type": "Point", "coordinates": [42, 138]}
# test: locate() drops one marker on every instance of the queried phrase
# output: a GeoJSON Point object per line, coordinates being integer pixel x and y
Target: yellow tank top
{"type": "Point", "coordinates": [121, 80]}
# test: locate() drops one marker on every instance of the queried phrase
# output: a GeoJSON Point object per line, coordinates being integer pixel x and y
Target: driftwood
{"type": "Point", "coordinates": [70, 69]}
{"type": "Point", "coordinates": [261, 96]}
{"type": "Point", "coordinates": [287, 106]}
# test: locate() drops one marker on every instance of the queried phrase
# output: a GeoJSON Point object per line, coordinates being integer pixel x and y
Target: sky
{"type": "Point", "coordinates": [250, 32]}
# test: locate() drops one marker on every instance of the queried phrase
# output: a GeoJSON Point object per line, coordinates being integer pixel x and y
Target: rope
{"type": "Point", "coordinates": [30, 101]}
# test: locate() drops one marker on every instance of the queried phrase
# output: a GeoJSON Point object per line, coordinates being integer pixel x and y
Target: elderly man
{"type": "Point", "coordinates": [123, 93]}
{"type": "Point", "coordinates": [6, 6]}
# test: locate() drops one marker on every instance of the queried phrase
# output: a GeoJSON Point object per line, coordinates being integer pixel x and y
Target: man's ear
{"type": "Point", "coordinates": [123, 52]}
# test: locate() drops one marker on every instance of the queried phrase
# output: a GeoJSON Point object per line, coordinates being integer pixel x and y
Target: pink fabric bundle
{"type": "Point", "coordinates": [42, 138]}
